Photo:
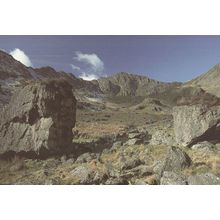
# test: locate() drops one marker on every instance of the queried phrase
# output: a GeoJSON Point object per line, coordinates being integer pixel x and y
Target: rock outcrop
{"type": "Point", "coordinates": [176, 159]}
{"type": "Point", "coordinates": [39, 119]}
{"type": "Point", "coordinates": [196, 123]}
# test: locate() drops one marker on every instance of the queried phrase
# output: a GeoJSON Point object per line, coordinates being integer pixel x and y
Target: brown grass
{"type": "Point", "coordinates": [95, 129]}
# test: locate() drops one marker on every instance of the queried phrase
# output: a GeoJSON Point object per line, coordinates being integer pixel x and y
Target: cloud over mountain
{"type": "Point", "coordinates": [21, 56]}
{"type": "Point", "coordinates": [89, 66]}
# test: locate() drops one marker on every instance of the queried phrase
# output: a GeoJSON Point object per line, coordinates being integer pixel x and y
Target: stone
{"type": "Point", "coordinates": [140, 182]}
{"type": "Point", "coordinates": [121, 136]}
{"type": "Point", "coordinates": [100, 178]}
{"type": "Point", "coordinates": [111, 170]}
{"type": "Point", "coordinates": [116, 145]}
{"type": "Point", "coordinates": [137, 172]}
{"type": "Point", "coordinates": [84, 174]}
{"type": "Point", "coordinates": [205, 146]}
{"type": "Point", "coordinates": [176, 159]}
{"type": "Point", "coordinates": [142, 170]}
{"type": "Point", "coordinates": [196, 123]}
{"type": "Point", "coordinates": [86, 157]}
{"type": "Point", "coordinates": [134, 141]}
{"type": "Point", "coordinates": [135, 135]}
{"type": "Point", "coordinates": [63, 158]}
{"type": "Point", "coordinates": [204, 179]}
{"type": "Point", "coordinates": [158, 168]}
{"type": "Point", "coordinates": [39, 119]}
{"type": "Point", "coordinates": [70, 160]}
{"type": "Point", "coordinates": [172, 178]}
{"type": "Point", "coordinates": [51, 182]}
{"type": "Point", "coordinates": [163, 137]}
{"type": "Point", "coordinates": [116, 181]}
{"type": "Point", "coordinates": [130, 163]}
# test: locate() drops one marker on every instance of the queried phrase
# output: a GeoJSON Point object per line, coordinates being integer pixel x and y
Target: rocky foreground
{"type": "Point", "coordinates": [39, 145]}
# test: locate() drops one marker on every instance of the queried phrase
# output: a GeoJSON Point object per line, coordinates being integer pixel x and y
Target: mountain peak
{"type": "Point", "coordinates": [127, 84]}
{"type": "Point", "coordinates": [126, 74]}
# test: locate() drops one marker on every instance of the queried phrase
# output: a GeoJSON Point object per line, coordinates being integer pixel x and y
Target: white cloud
{"type": "Point", "coordinates": [92, 60]}
{"type": "Point", "coordinates": [74, 67]}
{"type": "Point", "coordinates": [91, 66]}
{"type": "Point", "coordinates": [88, 77]}
{"type": "Point", "coordinates": [21, 56]}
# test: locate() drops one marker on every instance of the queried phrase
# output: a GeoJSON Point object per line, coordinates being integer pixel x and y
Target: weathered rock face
{"type": "Point", "coordinates": [39, 119]}
{"type": "Point", "coordinates": [176, 159]}
{"type": "Point", "coordinates": [196, 123]}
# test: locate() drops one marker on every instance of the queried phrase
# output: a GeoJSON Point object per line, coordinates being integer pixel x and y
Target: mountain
{"type": "Point", "coordinates": [122, 84]}
{"type": "Point", "coordinates": [13, 73]}
{"type": "Point", "coordinates": [125, 84]}
{"type": "Point", "coordinates": [209, 81]}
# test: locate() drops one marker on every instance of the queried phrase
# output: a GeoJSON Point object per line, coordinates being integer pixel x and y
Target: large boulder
{"type": "Point", "coordinates": [196, 123]}
{"type": "Point", "coordinates": [204, 179]}
{"type": "Point", "coordinates": [176, 159]}
{"type": "Point", "coordinates": [39, 119]}
{"type": "Point", "coordinates": [172, 178]}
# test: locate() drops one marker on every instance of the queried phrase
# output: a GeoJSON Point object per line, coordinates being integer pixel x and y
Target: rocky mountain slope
{"type": "Point", "coordinates": [13, 73]}
{"type": "Point", "coordinates": [107, 89]}
{"type": "Point", "coordinates": [125, 84]}
{"type": "Point", "coordinates": [209, 81]}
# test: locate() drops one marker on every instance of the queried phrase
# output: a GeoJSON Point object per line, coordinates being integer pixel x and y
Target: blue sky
{"type": "Point", "coordinates": [165, 58]}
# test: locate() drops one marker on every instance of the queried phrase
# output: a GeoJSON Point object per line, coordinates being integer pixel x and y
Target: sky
{"type": "Point", "coordinates": [164, 58]}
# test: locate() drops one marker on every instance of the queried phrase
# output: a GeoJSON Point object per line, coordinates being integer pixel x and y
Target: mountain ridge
{"type": "Point", "coordinates": [13, 73]}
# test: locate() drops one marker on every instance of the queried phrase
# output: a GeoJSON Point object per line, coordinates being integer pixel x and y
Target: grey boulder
{"type": "Point", "coordinates": [204, 179]}
{"type": "Point", "coordinates": [84, 174]}
{"type": "Point", "coordinates": [39, 119]}
{"type": "Point", "coordinates": [172, 178]}
{"type": "Point", "coordinates": [176, 159]}
{"type": "Point", "coordinates": [196, 123]}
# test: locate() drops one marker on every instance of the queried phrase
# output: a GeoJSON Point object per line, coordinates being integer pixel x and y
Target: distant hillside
{"type": "Point", "coordinates": [13, 74]}
{"type": "Point", "coordinates": [125, 84]}
{"type": "Point", "coordinates": [209, 81]}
